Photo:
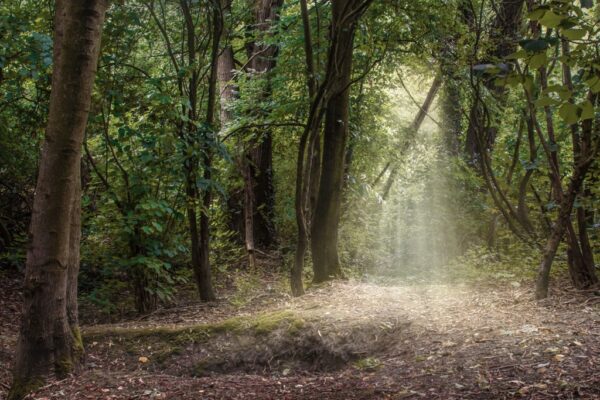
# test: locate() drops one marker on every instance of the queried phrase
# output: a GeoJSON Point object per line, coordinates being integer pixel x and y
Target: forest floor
{"type": "Point", "coordinates": [345, 340]}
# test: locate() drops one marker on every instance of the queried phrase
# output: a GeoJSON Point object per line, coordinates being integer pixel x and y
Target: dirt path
{"type": "Point", "coordinates": [412, 341]}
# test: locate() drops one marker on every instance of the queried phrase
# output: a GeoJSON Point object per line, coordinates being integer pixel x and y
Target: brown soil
{"type": "Point", "coordinates": [435, 341]}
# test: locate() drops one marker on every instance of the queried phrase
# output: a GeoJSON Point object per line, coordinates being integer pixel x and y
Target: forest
{"type": "Point", "coordinates": [299, 199]}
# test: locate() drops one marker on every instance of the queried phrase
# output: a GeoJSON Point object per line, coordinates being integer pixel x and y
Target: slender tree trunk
{"type": "Point", "coordinates": [191, 136]}
{"type": "Point", "coordinates": [412, 131]}
{"type": "Point", "coordinates": [580, 255]}
{"type": "Point", "coordinates": [582, 275]}
{"type": "Point", "coordinates": [503, 37]}
{"type": "Point", "coordinates": [48, 341]}
{"type": "Point", "coordinates": [303, 168]}
{"type": "Point", "coordinates": [208, 139]}
{"type": "Point", "coordinates": [558, 230]}
{"type": "Point", "coordinates": [452, 116]}
{"type": "Point", "coordinates": [324, 228]}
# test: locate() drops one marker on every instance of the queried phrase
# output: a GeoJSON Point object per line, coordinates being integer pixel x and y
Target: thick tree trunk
{"type": "Point", "coordinates": [48, 340]}
{"type": "Point", "coordinates": [226, 69]}
{"type": "Point", "coordinates": [260, 152]}
{"type": "Point", "coordinates": [324, 227]}
{"type": "Point", "coordinates": [228, 95]}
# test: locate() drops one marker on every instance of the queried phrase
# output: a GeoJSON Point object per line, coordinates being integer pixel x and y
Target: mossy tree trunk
{"type": "Point", "coordinates": [49, 340]}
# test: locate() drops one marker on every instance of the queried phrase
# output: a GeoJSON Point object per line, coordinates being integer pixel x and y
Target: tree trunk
{"type": "Point", "coordinates": [145, 301]}
{"type": "Point", "coordinates": [558, 230]}
{"type": "Point", "coordinates": [226, 68]}
{"type": "Point", "coordinates": [582, 276]}
{"type": "Point", "coordinates": [503, 37]}
{"type": "Point", "coordinates": [73, 273]}
{"type": "Point", "coordinates": [260, 153]}
{"type": "Point", "coordinates": [412, 131]}
{"type": "Point", "coordinates": [305, 169]}
{"type": "Point", "coordinates": [48, 339]}
{"type": "Point", "coordinates": [581, 258]}
{"type": "Point", "coordinates": [324, 227]}
{"type": "Point", "coordinates": [208, 139]}
{"type": "Point", "coordinates": [452, 116]}
{"type": "Point", "coordinates": [228, 95]}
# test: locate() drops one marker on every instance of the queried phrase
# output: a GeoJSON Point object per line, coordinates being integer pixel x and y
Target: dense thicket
{"type": "Point", "coordinates": [380, 137]}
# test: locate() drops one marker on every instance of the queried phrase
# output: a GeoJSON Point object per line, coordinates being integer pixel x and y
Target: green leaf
{"type": "Point", "coordinates": [513, 80]}
{"type": "Point", "coordinates": [538, 60]}
{"type": "Point", "coordinates": [157, 226]}
{"type": "Point", "coordinates": [535, 15]}
{"type": "Point", "coordinates": [587, 110]}
{"type": "Point", "coordinates": [594, 84]}
{"type": "Point", "coordinates": [574, 34]}
{"type": "Point", "coordinates": [564, 93]}
{"type": "Point", "coordinates": [551, 19]}
{"type": "Point", "coordinates": [536, 45]}
{"type": "Point", "coordinates": [528, 83]}
{"type": "Point", "coordinates": [517, 55]}
{"type": "Point", "coordinates": [569, 113]}
{"type": "Point", "coordinates": [545, 102]}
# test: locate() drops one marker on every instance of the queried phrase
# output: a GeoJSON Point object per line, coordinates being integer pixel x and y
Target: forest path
{"type": "Point", "coordinates": [430, 341]}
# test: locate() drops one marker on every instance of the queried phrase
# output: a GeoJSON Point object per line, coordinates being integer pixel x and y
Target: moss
{"type": "Point", "coordinates": [262, 324]}
{"type": "Point", "coordinates": [368, 364]}
{"type": "Point", "coordinates": [22, 387]}
{"type": "Point", "coordinates": [78, 349]}
{"type": "Point", "coordinates": [63, 367]}
{"type": "Point", "coordinates": [164, 354]}
{"type": "Point", "coordinates": [296, 325]}
{"type": "Point", "coordinates": [267, 323]}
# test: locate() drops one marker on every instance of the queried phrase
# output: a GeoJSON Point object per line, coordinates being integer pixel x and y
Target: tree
{"type": "Point", "coordinates": [194, 132]}
{"type": "Point", "coordinates": [49, 339]}
{"type": "Point", "coordinates": [336, 91]}
{"type": "Point", "coordinates": [504, 33]}
{"type": "Point", "coordinates": [257, 163]}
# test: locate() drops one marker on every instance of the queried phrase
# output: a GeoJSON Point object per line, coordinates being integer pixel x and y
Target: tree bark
{"type": "Point", "coordinates": [324, 227]}
{"type": "Point", "coordinates": [558, 230]}
{"type": "Point", "coordinates": [304, 169]}
{"type": "Point", "coordinates": [580, 254]}
{"type": "Point", "coordinates": [48, 339]}
{"type": "Point", "coordinates": [259, 155]}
